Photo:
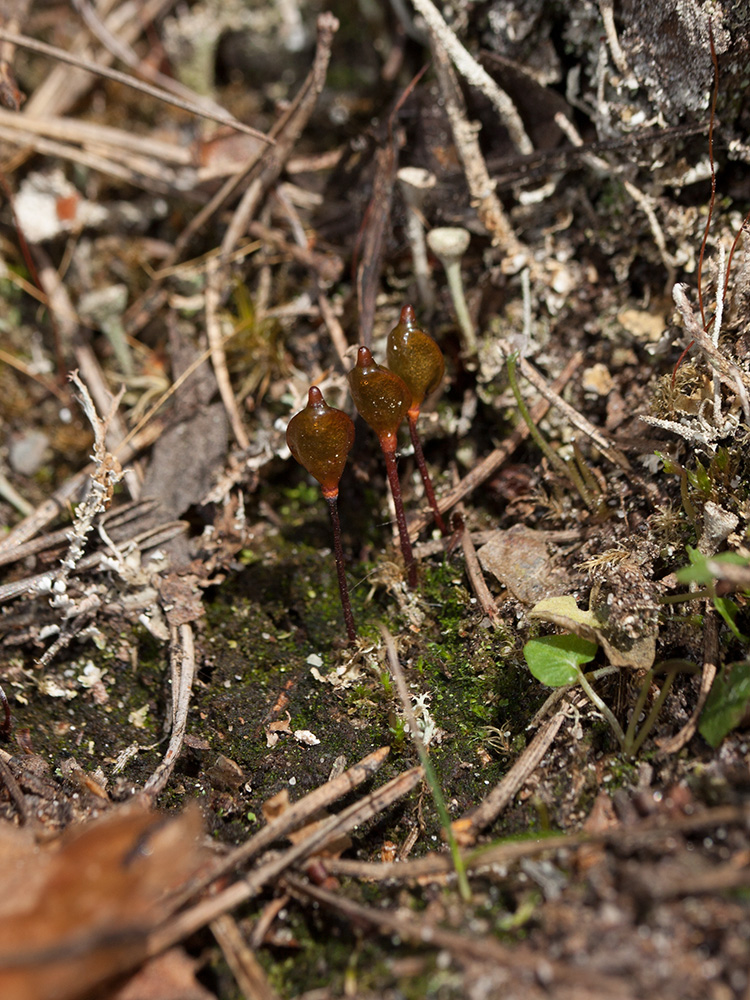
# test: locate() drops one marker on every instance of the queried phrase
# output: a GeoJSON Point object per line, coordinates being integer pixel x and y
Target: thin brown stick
{"type": "Point", "coordinates": [403, 531]}
{"type": "Point", "coordinates": [182, 660]}
{"type": "Point", "coordinates": [476, 576]}
{"type": "Point", "coordinates": [245, 967]}
{"type": "Point", "coordinates": [122, 51]}
{"type": "Point", "coordinates": [648, 834]}
{"type": "Point", "coordinates": [728, 371]}
{"type": "Point", "coordinates": [325, 266]}
{"type": "Point", "coordinates": [425, 474]}
{"type": "Point", "coordinates": [481, 186]}
{"type": "Point", "coordinates": [212, 296]}
{"type": "Point", "coordinates": [208, 910]}
{"type": "Point", "coordinates": [468, 827]}
{"type": "Point", "coordinates": [489, 465]}
{"type": "Point", "coordinates": [295, 121]}
{"type": "Point", "coordinates": [577, 419]}
{"type": "Point", "coordinates": [64, 86]}
{"type": "Point", "coordinates": [476, 75]}
{"type": "Point", "coordinates": [346, 606]}
{"type": "Point", "coordinates": [295, 816]}
{"type": "Point", "coordinates": [115, 141]}
{"type": "Point", "coordinates": [259, 173]}
{"type": "Point", "coordinates": [149, 175]}
{"type": "Point", "coordinates": [9, 780]}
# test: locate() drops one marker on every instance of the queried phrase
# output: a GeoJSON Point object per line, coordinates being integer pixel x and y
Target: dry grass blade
{"type": "Point", "coordinates": [60, 55]}
{"type": "Point", "coordinates": [182, 660]}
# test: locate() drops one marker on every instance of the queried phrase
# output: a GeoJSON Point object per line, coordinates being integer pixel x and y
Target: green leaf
{"type": "Point", "coordinates": [555, 659]}
{"type": "Point", "coordinates": [727, 704]}
{"type": "Point", "coordinates": [728, 611]}
{"type": "Point", "coordinates": [700, 571]}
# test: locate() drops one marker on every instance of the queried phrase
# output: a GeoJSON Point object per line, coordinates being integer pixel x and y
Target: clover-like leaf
{"type": "Point", "coordinates": [555, 660]}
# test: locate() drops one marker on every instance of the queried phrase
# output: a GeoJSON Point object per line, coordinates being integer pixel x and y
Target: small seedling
{"type": "Point", "coordinates": [557, 661]}
{"type": "Point", "coordinates": [320, 437]}
{"type": "Point", "coordinates": [383, 399]}
{"type": "Point", "coordinates": [416, 358]}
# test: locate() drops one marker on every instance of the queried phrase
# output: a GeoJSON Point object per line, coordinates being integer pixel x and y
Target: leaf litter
{"type": "Point", "coordinates": [170, 631]}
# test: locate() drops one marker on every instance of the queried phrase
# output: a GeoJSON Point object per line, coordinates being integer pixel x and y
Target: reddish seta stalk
{"type": "Point", "coordinates": [320, 437]}
{"type": "Point", "coordinates": [382, 399]}
{"type": "Point", "coordinates": [415, 357]}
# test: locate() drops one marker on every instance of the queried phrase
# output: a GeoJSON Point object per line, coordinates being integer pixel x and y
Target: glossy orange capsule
{"type": "Point", "coordinates": [415, 357]}
{"type": "Point", "coordinates": [320, 437]}
{"type": "Point", "coordinates": [382, 399]}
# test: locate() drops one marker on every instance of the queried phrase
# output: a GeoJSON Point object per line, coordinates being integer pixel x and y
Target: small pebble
{"type": "Point", "coordinates": [27, 452]}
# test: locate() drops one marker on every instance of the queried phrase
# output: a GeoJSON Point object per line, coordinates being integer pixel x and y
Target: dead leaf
{"type": "Point", "coordinates": [520, 559]}
{"type": "Point", "coordinates": [170, 976]}
{"type": "Point", "coordinates": [75, 913]}
{"type": "Point", "coordinates": [635, 652]}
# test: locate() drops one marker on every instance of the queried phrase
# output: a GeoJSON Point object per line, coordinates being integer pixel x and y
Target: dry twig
{"type": "Point", "coordinates": [468, 827]}
{"type": "Point", "coordinates": [577, 419]}
{"type": "Point", "coordinates": [481, 186]}
{"type": "Point", "coordinates": [489, 465]}
{"type": "Point", "coordinates": [209, 909]}
{"type": "Point", "coordinates": [182, 661]}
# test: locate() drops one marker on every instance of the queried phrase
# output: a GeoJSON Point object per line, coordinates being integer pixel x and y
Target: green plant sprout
{"type": "Point", "coordinates": [568, 470]}
{"type": "Point", "coordinates": [705, 570]}
{"type": "Point", "coordinates": [424, 759]}
{"type": "Point", "coordinates": [556, 661]}
{"type": "Point", "coordinates": [320, 437]}
{"type": "Point", "coordinates": [728, 703]}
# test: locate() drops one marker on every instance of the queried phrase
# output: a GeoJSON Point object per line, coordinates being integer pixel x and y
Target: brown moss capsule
{"type": "Point", "coordinates": [320, 437]}
{"type": "Point", "coordinates": [382, 399]}
{"type": "Point", "coordinates": [417, 359]}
